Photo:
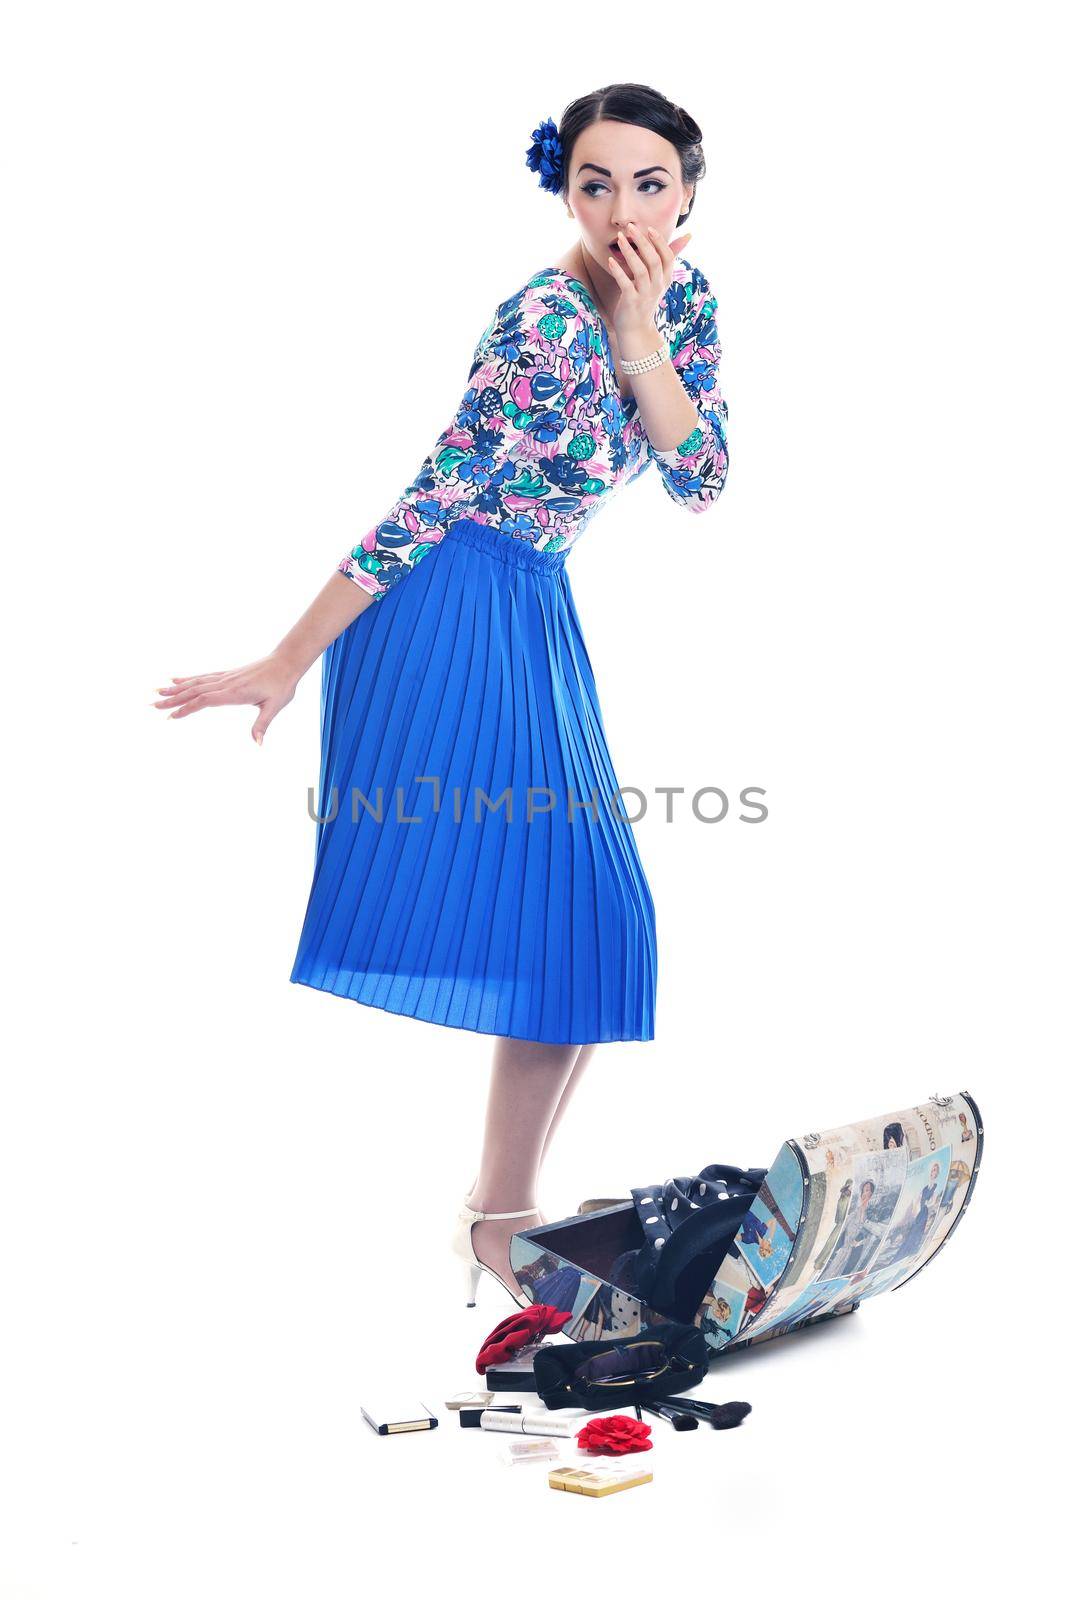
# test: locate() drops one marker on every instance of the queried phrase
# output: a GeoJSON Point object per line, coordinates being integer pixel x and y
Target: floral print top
{"type": "Point", "coordinates": [542, 435]}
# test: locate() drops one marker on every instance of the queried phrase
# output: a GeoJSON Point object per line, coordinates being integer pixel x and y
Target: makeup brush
{"type": "Point", "coordinates": [681, 1421]}
{"type": "Point", "coordinates": [729, 1415]}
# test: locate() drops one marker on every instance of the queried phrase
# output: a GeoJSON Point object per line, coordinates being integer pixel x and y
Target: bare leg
{"type": "Point", "coordinates": [584, 1057]}
{"type": "Point", "coordinates": [582, 1060]}
{"type": "Point", "coordinates": [524, 1091]}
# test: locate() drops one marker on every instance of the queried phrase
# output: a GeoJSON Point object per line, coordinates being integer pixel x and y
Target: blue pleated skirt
{"type": "Point", "coordinates": [474, 865]}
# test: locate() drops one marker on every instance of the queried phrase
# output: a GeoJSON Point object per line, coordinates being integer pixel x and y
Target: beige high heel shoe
{"type": "Point", "coordinates": [602, 1205]}
{"type": "Point", "coordinates": [463, 1245]}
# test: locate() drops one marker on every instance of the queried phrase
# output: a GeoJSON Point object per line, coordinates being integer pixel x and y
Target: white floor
{"type": "Point", "coordinates": [205, 1439]}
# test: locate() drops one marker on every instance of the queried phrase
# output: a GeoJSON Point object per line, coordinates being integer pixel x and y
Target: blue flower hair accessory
{"type": "Point", "coordinates": [545, 156]}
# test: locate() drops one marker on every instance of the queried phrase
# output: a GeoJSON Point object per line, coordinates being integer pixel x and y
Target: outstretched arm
{"type": "Point", "coordinates": [270, 683]}
{"type": "Point", "coordinates": [489, 455]}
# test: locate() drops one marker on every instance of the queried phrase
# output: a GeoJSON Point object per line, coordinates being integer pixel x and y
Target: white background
{"type": "Point", "coordinates": [249, 250]}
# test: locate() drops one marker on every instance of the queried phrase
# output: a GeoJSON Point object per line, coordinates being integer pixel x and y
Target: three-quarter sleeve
{"type": "Point", "coordinates": [694, 472]}
{"type": "Point", "coordinates": [496, 457]}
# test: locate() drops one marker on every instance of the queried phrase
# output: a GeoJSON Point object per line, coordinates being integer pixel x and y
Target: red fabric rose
{"type": "Point", "coordinates": [522, 1328]}
{"type": "Point", "coordinates": [615, 1436]}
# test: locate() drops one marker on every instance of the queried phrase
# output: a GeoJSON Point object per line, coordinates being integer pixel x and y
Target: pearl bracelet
{"type": "Point", "coordinates": [646, 363]}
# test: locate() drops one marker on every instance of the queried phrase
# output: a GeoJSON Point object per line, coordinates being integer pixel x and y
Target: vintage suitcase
{"type": "Point", "coordinates": [838, 1217]}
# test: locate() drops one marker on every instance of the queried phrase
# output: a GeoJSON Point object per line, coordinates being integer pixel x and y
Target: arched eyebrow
{"type": "Point", "coordinates": [642, 174]}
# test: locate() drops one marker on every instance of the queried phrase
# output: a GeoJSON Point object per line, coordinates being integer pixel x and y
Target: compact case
{"type": "Point", "coordinates": [838, 1217]}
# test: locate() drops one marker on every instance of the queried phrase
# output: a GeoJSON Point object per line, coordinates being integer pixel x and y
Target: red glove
{"type": "Point", "coordinates": [524, 1327]}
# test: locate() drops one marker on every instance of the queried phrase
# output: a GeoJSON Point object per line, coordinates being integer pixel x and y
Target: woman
{"type": "Point", "coordinates": [859, 1237]}
{"type": "Point", "coordinates": [919, 1219]}
{"type": "Point", "coordinates": [474, 864]}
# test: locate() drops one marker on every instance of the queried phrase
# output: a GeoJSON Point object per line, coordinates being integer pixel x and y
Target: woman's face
{"type": "Point", "coordinates": [621, 173]}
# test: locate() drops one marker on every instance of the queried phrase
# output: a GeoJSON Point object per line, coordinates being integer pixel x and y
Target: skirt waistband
{"type": "Point", "coordinates": [504, 546]}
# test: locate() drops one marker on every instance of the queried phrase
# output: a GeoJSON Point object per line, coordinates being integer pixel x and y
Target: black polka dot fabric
{"type": "Point", "coordinates": [662, 1206]}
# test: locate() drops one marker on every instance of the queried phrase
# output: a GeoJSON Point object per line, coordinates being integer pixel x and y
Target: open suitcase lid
{"type": "Point", "coordinates": [844, 1215]}
{"type": "Point", "coordinates": [840, 1216]}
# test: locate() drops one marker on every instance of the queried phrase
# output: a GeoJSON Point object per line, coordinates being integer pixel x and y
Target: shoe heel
{"type": "Point", "coordinates": [463, 1245]}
